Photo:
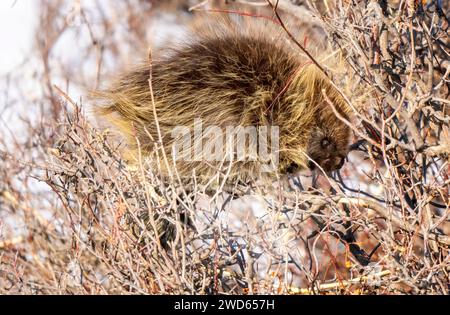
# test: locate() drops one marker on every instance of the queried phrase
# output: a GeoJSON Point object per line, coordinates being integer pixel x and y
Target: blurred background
{"type": "Point", "coordinates": [64, 228]}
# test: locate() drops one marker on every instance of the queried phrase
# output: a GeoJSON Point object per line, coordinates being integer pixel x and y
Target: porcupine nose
{"type": "Point", "coordinates": [338, 163]}
{"type": "Point", "coordinates": [333, 163]}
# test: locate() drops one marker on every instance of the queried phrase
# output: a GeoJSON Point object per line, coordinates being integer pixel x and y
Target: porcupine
{"type": "Point", "coordinates": [232, 74]}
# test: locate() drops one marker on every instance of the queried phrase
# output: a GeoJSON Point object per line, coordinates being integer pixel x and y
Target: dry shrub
{"type": "Point", "coordinates": [75, 218]}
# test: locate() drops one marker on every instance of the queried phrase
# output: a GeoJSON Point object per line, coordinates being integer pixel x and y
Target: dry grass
{"type": "Point", "coordinates": [75, 219]}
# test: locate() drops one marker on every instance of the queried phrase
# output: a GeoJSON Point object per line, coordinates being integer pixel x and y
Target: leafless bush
{"type": "Point", "coordinates": [76, 218]}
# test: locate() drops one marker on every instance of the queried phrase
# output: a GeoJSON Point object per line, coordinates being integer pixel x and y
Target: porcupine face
{"type": "Point", "coordinates": [328, 144]}
{"type": "Point", "coordinates": [328, 137]}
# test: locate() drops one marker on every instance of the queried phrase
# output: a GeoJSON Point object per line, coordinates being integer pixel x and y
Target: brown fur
{"type": "Point", "coordinates": [233, 74]}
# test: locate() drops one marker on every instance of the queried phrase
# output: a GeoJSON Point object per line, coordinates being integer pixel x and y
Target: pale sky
{"type": "Point", "coordinates": [17, 19]}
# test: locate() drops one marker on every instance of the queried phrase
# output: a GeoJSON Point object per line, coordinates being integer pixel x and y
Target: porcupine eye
{"type": "Point", "coordinates": [325, 143]}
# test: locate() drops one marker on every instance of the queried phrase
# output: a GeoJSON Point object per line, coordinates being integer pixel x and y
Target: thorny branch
{"type": "Point", "coordinates": [86, 222]}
